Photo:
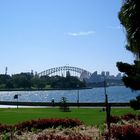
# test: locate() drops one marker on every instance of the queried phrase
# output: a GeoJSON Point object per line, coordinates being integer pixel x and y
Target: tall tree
{"type": "Point", "coordinates": [22, 80]}
{"type": "Point", "coordinates": [129, 16]}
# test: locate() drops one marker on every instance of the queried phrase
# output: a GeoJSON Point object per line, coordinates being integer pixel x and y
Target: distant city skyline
{"type": "Point", "coordinates": [41, 34]}
{"type": "Point", "coordinates": [105, 73]}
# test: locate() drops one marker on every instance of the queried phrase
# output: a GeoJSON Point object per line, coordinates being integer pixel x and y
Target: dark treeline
{"type": "Point", "coordinates": [31, 81]}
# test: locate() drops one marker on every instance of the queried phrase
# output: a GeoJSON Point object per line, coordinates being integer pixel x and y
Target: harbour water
{"type": "Point", "coordinates": [115, 94]}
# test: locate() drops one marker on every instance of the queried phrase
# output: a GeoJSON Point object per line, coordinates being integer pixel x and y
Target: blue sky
{"type": "Point", "coordinates": [41, 34]}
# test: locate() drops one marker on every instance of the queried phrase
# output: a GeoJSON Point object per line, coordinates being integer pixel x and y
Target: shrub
{"type": "Point", "coordinates": [114, 119]}
{"type": "Point", "coordinates": [61, 137]}
{"type": "Point", "coordinates": [5, 128]}
{"type": "Point", "coordinates": [129, 116]}
{"type": "Point", "coordinates": [41, 124]}
{"type": "Point", "coordinates": [135, 103]}
{"type": "Point", "coordinates": [126, 117]}
{"type": "Point", "coordinates": [125, 132]}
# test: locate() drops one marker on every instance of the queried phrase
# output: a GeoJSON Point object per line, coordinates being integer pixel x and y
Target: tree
{"type": "Point", "coordinates": [130, 19]}
{"type": "Point", "coordinates": [5, 81]}
{"type": "Point", "coordinates": [22, 80]}
{"type": "Point", "coordinates": [38, 82]}
{"type": "Point", "coordinates": [129, 16]}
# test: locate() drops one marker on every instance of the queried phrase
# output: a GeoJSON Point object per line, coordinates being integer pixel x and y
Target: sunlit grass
{"type": "Point", "coordinates": [90, 116]}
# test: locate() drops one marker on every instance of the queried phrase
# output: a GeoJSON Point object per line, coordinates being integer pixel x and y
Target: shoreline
{"type": "Point", "coordinates": [43, 89]}
{"type": "Point", "coordinates": [57, 104]}
{"type": "Point", "coordinates": [58, 88]}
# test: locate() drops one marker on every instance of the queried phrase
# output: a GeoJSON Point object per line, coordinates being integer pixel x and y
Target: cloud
{"type": "Point", "coordinates": [81, 33]}
{"type": "Point", "coordinates": [114, 27]}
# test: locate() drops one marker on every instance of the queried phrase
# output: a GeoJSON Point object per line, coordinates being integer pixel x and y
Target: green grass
{"type": "Point", "coordinates": [90, 116]}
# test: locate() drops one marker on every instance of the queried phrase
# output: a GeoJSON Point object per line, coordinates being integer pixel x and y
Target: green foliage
{"type": "Point", "coordinates": [129, 16]}
{"type": "Point", "coordinates": [65, 82]}
{"type": "Point", "coordinates": [38, 82]}
{"type": "Point", "coordinates": [132, 74]}
{"type": "Point", "coordinates": [135, 104]}
{"type": "Point", "coordinates": [22, 80]}
{"type": "Point", "coordinates": [28, 81]}
{"type": "Point", "coordinates": [130, 19]}
{"type": "Point", "coordinates": [5, 81]}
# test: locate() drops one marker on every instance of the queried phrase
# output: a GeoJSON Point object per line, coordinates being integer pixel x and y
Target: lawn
{"type": "Point", "coordinates": [90, 116]}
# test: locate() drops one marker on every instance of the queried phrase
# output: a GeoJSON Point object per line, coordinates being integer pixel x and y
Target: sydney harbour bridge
{"type": "Point", "coordinates": [61, 71]}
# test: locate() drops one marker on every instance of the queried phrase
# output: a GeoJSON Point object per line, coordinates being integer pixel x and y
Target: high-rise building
{"type": "Point", "coordinates": [95, 73]}
{"type": "Point", "coordinates": [119, 76]}
{"type": "Point", "coordinates": [107, 74]}
{"type": "Point", "coordinates": [103, 73]}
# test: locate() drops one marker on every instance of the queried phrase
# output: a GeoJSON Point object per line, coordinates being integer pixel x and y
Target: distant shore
{"type": "Point", "coordinates": [40, 89]}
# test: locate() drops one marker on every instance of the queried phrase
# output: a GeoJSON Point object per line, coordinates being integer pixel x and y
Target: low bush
{"type": "Point", "coordinates": [129, 116]}
{"type": "Point", "coordinates": [41, 124]}
{"type": "Point", "coordinates": [61, 137]}
{"type": "Point", "coordinates": [5, 128]}
{"type": "Point", "coordinates": [126, 117]}
{"type": "Point", "coordinates": [125, 132]}
{"type": "Point", "coordinates": [115, 119]}
{"type": "Point", "coordinates": [47, 123]}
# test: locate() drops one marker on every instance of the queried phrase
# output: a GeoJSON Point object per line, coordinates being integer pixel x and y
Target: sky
{"type": "Point", "coordinates": [42, 34]}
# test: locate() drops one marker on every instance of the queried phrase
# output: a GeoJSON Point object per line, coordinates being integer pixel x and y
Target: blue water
{"type": "Point", "coordinates": [115, 94]}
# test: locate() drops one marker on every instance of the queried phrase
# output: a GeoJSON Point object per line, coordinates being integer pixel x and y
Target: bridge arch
{"type": "Point", "coordinates": [63, 69]}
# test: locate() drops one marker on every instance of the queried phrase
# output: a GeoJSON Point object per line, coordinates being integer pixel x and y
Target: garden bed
{"type": "Point", "coordinates": [49, 129]}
